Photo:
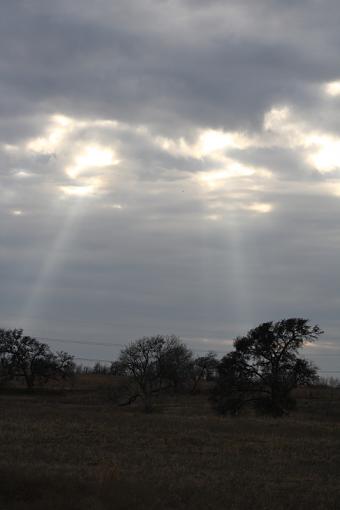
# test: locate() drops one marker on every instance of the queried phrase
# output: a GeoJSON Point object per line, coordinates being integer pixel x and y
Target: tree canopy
{"type": "Point", "coordinates": [264, 367]}
{"type": "Point", "coordinates": [154, 364]}
{"type": "Point", "coordinates": [25, 357]}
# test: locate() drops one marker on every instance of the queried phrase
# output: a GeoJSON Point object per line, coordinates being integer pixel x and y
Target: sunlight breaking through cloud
{"type": "Point", "coordinates": [22, 174]}
{"type": "Point", "coordinates": [60, 126]}
{"type": "Point", "coordinates": [92, 186]}
{"type": "Point", "coordinates": [332, 88]}
{"type": "Point", "coordinates": [326, 156]}
{"type": "Point", "coordinates": [259, 207]}
{"type": "Point", "coordinates": [90, 158]}
{"type": "Point", "coordinates": [320, 150]}
{"type": "Point", "coordinates": [80, 161]}
{"type": "Point", "coordinates": [215, 179]}
{"type": "Point", "coordinates": [210, 143]}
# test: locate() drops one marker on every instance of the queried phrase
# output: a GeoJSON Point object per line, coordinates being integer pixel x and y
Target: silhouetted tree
{"type": "Point", "coordinates": [118, 369]}
{"type": "Point", "coordinates": [153, 363]}
{"type": "Point", "coordinates": [175, 363]}
{"type": "Point", "coordinates": [264, 368]}
{"type": "Point", "coordinates": [63, 366]}
{"type": "Point", "coordinates": [26, 357]}
{"type": "Point", "coordinates": [203, 368]}
{"type": "Point", "coordinates": [100, 369]}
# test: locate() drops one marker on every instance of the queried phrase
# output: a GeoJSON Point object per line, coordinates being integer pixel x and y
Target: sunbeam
{"type": "Point", "coordinates": [237, 275]}
{"type": "Point", "coordinates": [53, 262]}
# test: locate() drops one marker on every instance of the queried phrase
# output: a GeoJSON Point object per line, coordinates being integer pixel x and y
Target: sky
{"type": "Point", "coordinates": [171, 167]}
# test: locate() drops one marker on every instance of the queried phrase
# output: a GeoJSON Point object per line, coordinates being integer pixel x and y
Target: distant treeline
{"type": "Point", "coordinates": [261, 371]}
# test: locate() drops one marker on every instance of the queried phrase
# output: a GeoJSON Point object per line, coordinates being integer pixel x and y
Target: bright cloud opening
{"type": "Point", "coordinates": [23, 174]}
{"type": "Point", "coordinates": [55, 135]}
{"type": "Point", "coordinates": [276, 118]}
{"type": "Point", "coordinates": [210, 143]}
{"type": "Point", "coordinates": [260, 207]}
{"type": "Point", "coordinates": [93, 156]}
{"type": "Point", "coordinates": [332, 88]}
{"type": "Point", "coordinates": [81, 162]}
{"type": "Point", "coordinates": [326, 157]}
{"type": "Point", "coordinates": [319, 149]}
{"type": "Point", "coordinates": [215, 179]}
{"type": "Point", "coordinates": [78, 191]}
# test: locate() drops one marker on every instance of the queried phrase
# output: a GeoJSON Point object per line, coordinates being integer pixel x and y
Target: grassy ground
{"type": "Point", "coordinates": [76, 450]}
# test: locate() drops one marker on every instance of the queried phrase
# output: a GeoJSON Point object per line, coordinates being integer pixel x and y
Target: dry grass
{"type": "Point", "coordinates": [75, 450]}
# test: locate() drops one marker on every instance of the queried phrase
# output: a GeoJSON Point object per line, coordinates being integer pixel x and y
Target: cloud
{"type": "Point", "coordinates": [168, 167]}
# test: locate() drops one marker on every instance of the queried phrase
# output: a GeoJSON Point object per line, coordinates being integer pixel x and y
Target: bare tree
{"type": "Point", "coordinates": [154, 364]}
{"type": "Point", "coordinates": [25, 357]}
{"type": "Point", "coordinates": [204, 368]}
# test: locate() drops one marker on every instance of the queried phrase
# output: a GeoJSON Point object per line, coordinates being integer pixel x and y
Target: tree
{"type": "Point", "coordinates": [175, 363]}
{"type": "Point", "coordinates": [154, 364]}
{"type": "Point", "coordinates": [100, 369]}
{"type": "Point", "coordinates": [25, 357]}
{"type": "Point", "coordinates": [204, 368]}
{"type": "Point", "coordinates": [118, 369]}
{"type": "Point", "coordinates": [63, 366]}
{"type": "Point", "coordinates": [264, 368]}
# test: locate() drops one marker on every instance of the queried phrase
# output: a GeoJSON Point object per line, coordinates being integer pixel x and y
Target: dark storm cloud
{"type": "Point", "coordinates": [139, 63]}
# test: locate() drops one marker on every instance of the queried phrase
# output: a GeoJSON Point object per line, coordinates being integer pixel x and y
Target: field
{"type": "Point", "coordinates": [74, 449]}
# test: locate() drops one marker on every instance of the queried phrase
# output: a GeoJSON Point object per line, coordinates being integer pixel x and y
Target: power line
{"type": "Point", "coordinates": [109, 344]}
{"type": "Point", "coordinates": [92, 359]}
{"type": "Point", "coordinates": [329, 371]}
{"type": "Point", "coordinates": [115, 344]}
{"type": "Point", "coordinates": [84, 342]}
{"type": "Point", "coordinates": [110, 361]}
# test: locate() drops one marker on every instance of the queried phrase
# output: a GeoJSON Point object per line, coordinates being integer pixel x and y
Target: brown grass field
{"type": "Point", "coordinates": [75, 450]}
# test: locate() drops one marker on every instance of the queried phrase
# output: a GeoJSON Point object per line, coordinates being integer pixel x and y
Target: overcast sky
{"type": "Point", "coordinates": [169, 167]}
